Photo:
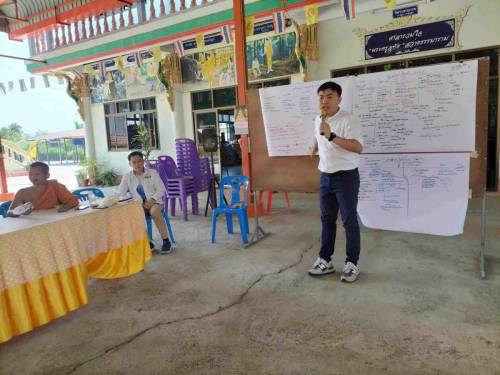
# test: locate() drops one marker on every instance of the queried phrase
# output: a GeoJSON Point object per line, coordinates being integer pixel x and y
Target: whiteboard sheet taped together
{"type": "Point", "coordinates": [428, 109]}
{"type": "Point", "coordinates": [422, 193]}
{"type": "Point", "coordinates": [425, 109]}
{"type": "Point", "coordinates": [289, 113]}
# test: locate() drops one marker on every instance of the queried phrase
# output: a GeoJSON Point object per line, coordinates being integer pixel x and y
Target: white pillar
{"type": "Point", "coordinates": [89, 128]}
{"type": "Point", "coordinates": [179, 126]}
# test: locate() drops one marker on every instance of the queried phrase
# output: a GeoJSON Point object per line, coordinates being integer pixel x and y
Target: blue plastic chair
{"type": "Point", "coordinates": [149, 226]}
{"type": "Point", "coordinates": [237, 206]}
{"type": "Point", "coordinates": [81, 194]}
{"type": "Point", "coordinates": [4, 207]}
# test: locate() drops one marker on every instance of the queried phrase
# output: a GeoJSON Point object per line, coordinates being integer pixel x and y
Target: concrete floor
{"type": "Point", "coordinates": [419, 307]}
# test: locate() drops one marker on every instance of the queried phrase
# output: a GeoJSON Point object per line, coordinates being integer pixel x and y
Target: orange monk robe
{"type": "Point", "coordinates": [55, 194]}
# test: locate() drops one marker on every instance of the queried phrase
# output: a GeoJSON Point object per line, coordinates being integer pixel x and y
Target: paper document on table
{"type": "Point", "coordinates": [422, 193]}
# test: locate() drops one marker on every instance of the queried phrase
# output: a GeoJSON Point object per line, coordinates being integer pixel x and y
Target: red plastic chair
{"type": "Point", "coordinates": [269, 197]}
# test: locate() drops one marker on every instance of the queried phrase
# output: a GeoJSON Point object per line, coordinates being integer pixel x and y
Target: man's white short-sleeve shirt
{"type": "Point", "coordinates": [333, 158]}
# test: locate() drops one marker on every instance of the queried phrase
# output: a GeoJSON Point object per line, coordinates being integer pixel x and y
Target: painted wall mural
{"type": "Point", "coordinates": [111, 86]}
{"type": "Point", "coordinates": [142, 81]}
{"type": "Point", "coordinates": [214, 66]}
{"type": "Point", "coordinates": [272, 57]}
{"type": "Point", "coordinates": [129, 82]}
{"type": "Point", "coordinates": [119, 79]}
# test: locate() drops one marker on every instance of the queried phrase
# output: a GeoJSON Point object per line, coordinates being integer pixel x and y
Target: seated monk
{"type": "Point", "coordinates": [44, 193]}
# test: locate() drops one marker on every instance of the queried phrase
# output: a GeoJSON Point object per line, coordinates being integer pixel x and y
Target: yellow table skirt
{"type": "Point", "coordinates": [31, 305]}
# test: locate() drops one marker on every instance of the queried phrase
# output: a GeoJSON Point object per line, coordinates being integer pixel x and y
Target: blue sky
{"type": "Point", "coordinates": [49, 109]}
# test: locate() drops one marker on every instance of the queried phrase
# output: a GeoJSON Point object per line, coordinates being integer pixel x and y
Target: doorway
{"type": "Point", "coordinates": [227, 159]}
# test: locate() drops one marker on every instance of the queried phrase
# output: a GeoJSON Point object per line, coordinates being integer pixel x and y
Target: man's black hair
{"type": "Point", "coordinates": [38, 164]}
{"type": "Point", "coordinates": [331, 86]}
{"type": "Point", "coordinates": [135, 153]}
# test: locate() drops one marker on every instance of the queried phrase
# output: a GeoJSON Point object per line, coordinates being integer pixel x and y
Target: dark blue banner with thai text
{"type": "Point", "coordinates": [404, 12]}
{"type": "Point", "coordinates": [412, 39]}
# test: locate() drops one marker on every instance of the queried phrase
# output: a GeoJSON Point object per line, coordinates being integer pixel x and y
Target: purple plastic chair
{"type": "Point", "coordinates": [190, 164]}
{"type": "Point", "coordinates": [151, 164]}
{"type": "Point", "coordinates": [177, 186]}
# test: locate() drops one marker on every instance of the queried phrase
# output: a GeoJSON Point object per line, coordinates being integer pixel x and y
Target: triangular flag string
{"type": "Point", "coordinates": [24, 84]}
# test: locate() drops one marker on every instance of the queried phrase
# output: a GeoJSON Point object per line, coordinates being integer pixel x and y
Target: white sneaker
{"type": "Point", "coordinates": [350, 272]}
{"type": "Point", "coordinates": [321, 267]}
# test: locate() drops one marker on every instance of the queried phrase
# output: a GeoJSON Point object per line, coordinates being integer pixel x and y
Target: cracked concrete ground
{"type": "Point", "coordinates": [418, 307]}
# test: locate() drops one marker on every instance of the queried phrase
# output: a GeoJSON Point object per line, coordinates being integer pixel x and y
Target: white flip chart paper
{"type": "Point", "coordinates": [289, 113]}
{"type": "Point", "coordinates": [422, 193]}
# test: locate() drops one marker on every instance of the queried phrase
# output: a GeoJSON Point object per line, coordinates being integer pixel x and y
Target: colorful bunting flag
{"type": "Point", "coordinates": [249, 25]}
{"type": "Point", "coordinates": [89, 70]}
{"type": "Point", "coordinates": [179, 48]}
{"type": "Point", "coordinates": [156, 54]}
{"type": "Point", "coordinates": [77, 71]}
{"type": "Point", "coordinates": [22, 85]}
{"type": "Point", "coordinates": [311, 12]}
{"type": "Point", "coordinates": [28, 83]}
{"type": "Point", "coordinates": [46, 80]}
{"type": "Point", "coordinates": [279, 20]}
{"type": "Point", "coordinates": [349, 9]}
{"type": "Point", "coordinates": [102, 70]}
{"type": "Point", "coordinates": [138, 59]}
{"type": "Point", "coordinates": [390, 4]}
{"type": "Point", "coordinates": [200, 41]}
{"type": "Point", "coordinates": [227, 35]}
{"type": "Point", "coordinates": [120, 64]}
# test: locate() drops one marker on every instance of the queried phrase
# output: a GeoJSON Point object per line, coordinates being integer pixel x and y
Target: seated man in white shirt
{"type": "Point", "coordinates": [147, 186]}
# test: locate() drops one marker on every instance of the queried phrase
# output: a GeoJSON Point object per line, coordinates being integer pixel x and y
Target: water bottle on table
{"type": "Point", "coordinates": [92, 200]}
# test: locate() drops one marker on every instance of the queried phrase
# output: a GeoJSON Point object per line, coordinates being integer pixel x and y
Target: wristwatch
{"type": "Point", "coordinates": [332, 136]}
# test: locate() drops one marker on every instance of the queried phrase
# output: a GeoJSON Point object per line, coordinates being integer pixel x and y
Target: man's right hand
{"type": "Point", "coordinates": [148, 204]}
{"type": "Point", "coordinates": [324, 129]}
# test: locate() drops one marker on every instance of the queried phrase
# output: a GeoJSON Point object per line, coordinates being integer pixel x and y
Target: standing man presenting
{"type": "Point", "coordinates": [339, 143]}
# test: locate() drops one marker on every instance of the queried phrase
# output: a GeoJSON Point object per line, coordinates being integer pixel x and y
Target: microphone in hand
{"type": "Point", "coordinates": [323, 118]}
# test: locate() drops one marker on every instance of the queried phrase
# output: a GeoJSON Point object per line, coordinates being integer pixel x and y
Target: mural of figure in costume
{"type": "Point", "coordinates": [203, 67]}
{"type": "Point", "coordinates": [268, 51]}
{"type": "Point", "coordinates": [151, 79]}
{"type": "Point", "coordinates": [210, 68]}
{"type": "Point", "coordinates": [106, 86]}
{"type": "Point", "coordinates": [256, 68]}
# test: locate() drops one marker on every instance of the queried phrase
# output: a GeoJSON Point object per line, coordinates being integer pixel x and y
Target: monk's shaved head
{"type": "Point", "coordinates": [43, 167]}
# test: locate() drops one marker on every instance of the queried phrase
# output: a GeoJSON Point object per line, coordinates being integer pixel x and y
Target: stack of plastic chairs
{"type": "Point", "coordinates": [190, 164]}
{"type": "Point", "coordinates": [151, 164]}
{"type": "Point", "coordinates": [177, 186]}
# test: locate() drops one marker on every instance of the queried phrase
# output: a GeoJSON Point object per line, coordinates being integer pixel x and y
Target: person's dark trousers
{"type": "Point", "coordinates": [339, 191]}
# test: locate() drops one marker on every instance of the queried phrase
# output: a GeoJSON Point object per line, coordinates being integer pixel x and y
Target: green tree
{"type": "Point", "coordinates": [78, 125]}
{"type": "Point", "coordinates": [40, 132]}
{"type": "Point", "coordinates": [13, 132]}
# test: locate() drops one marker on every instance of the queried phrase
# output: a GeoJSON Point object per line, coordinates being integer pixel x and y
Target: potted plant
{"type": "Point", "coordinates": [108, 178]}
{"type": "Point", "coordinates": [91, 166]}
{"type": "Point", "coordinates": [143, 140]}
{"type": "Point", "coordinates": [81, 177]}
